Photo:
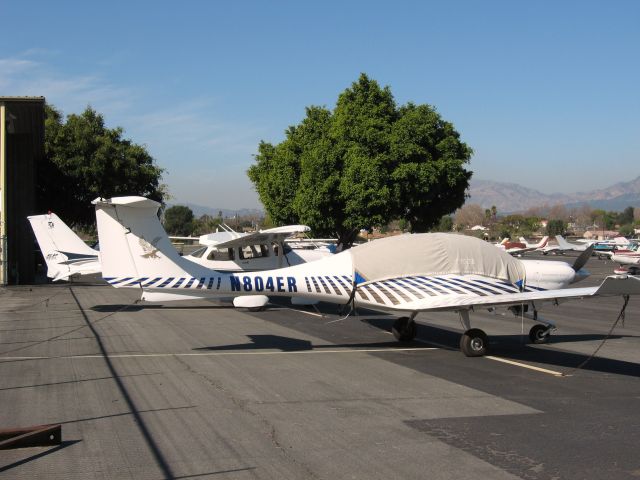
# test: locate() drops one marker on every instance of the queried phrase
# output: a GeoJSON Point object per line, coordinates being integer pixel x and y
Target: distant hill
{"type": "Point", "coordinates": [511, 197]}
{"type": "Point", "coordinates": [199, 210]}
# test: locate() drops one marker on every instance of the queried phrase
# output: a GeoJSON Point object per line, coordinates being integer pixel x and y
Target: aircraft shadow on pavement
{"type": "Point", "coordinates": [138, 308]}
{"type": "Point", "coordinates": [517, 347]}
{"type": "Point", "coordinates": [289, 344]}
{"type": "Point", "coordinates": [40, 454]}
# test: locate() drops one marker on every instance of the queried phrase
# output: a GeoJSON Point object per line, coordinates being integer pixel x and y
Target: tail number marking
{"type": "Point", "coordinates": [259, 284]}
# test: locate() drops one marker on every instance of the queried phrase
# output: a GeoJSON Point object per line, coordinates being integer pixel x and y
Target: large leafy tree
{"type": "Point", "coordinates": [363, 164]}
{"type": "Point", "coordinates": [178, 220]}
{"type": "Point", "coordinates": [85, 160]}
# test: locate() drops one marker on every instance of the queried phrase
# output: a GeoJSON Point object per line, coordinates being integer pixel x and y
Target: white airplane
{"type": "Point", "coordinates": [566, 246]}
{"type": "Point", "coordinates": [562, 246]}
{"type": "Point", "coordinates": [230, 251]}
{"type": "Point", "coordinates": [628, 259]}
{"type": "Point", "coordinates": [530, 247]}
{"type": "Point", "coordinates": [521, 247]}
{"type": "Point", "coordinates": [65, 254]}
{"type": "Point", "coordinates": [404, 274]}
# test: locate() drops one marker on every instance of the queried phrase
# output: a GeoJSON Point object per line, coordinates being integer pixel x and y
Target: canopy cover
{"type": "Point", "coordinates": [433, 254]}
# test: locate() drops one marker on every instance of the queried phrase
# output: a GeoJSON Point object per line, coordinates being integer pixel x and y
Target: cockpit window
{"type": "Point", "coordinates": [198, 253]}
{"type": "Point", "coordinates": [278, 250]}
{"type": "Point", "coordinates": [254, 251]}
{"type": "Point", "coordinates": [224, 254]}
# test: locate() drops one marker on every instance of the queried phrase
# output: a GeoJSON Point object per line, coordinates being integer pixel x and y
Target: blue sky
{"type": "Point", "coordinates": [546, 93]}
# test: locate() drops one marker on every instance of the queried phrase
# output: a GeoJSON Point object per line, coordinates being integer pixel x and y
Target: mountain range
{"type": "Point", "coordinates": [512, 198]}
{"type": "Point", "coordinates": [507, 197]}
{"type": "Point", "coordinates": [199, 210]}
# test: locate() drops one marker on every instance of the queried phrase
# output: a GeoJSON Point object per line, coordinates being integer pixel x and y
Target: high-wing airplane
{"type": "Point", "coordinates": [521, 247]}
{"type": "Point", "coordinates": [263, 250]}
{"type": "Point", "coordinates": [405, 274]}
{"type": "Point", "coordinates": [65, 254]}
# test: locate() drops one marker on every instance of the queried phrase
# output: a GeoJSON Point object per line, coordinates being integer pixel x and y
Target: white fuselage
{"type": "Point", "coordinates": [548, 275]}
{"type": "Point", "coordinates": [627, 257]}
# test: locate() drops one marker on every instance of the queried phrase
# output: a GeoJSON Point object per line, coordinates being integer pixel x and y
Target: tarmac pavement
{"type": "Point", "coordinates": [201, 390]}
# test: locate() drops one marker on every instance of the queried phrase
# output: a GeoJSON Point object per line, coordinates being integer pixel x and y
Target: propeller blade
{"type": "Point", "coordinates": [583, 258]}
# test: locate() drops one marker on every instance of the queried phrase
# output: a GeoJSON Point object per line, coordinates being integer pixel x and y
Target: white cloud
{"type": "Point", "coordinates": [21, 76]}
{"type": "Point", "coordinates": [187, 137]}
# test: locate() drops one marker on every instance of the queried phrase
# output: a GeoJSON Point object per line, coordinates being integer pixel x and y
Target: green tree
{"type": "Point", "coordinates": [206, 224]}
{"type": "Point", "coordinates": [363, 164]}
{"type": "Point", "coordinates": [556, 227]}
{"type": "Point", "coordinates": [85, 160]}
{"type": "Point", "coordinates": [444, 225]}
{"type": "Point", "coordinates": [178, 220]}
{"type": "Point", "coordinates": [626, 230]}
{"type": "Point", "coordinates": [626, 217]}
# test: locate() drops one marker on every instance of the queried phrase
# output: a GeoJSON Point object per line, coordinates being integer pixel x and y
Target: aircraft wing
{"type": "Point", "coordinates": [277, 234]}
{"type": "Point", "coordinates": [611, 286]}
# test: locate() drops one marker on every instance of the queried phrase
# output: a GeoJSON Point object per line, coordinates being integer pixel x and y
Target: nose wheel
{"type": "Point", "coordinates": [540, 333]}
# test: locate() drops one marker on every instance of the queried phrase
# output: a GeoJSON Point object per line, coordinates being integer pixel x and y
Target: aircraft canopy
{"type": "Point", "coordinates": [434, 254]}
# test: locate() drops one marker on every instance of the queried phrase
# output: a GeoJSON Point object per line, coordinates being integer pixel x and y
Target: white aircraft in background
{"type": "Point", "coordinates": [628, 259]}
{"type": "Point", "coordinates": [402, 274]}
{"type": "Point", "coordinates": [521, 247]}
{"type": "Point", "coordinates": [230, 251]}
{"type": "Point", "coordinates": [566, 246]}
{"type": "Point", "coordinates": [562, 246]}
{"type": "Point", "coordinates": [65, 254]}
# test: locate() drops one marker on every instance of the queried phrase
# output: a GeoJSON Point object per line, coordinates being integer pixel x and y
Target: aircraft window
{"type": "Point", "coordinates": [226, 254]}
{"type": "Point", "coordinates": [254, 251]}
{"type": "Point", "coordinates": [198, 253]}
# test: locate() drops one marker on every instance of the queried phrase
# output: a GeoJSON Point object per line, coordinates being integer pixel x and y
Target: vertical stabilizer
{"type": "Point", "coordinates": [562, 243]}
{"type": "Point", "coordinates": [134, 245]}
{"type": "Point", "coordinates": [64, 252]}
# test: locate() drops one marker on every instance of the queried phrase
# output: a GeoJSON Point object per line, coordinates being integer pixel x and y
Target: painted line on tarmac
{"type": "Point", "coordinates": [524, 365]}
{"type": "Point", "coordinates": [304, 311]}
{"type": "Point", "coordinates": [222, 354]}
{"type": "Point", "coordinates": [500, 359]}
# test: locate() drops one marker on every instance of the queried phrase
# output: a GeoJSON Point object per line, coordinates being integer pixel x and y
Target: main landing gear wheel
{"type": "Point", "coordinates": [539, 333]}
{"type": "Point", "coordinates": [474, 343]}
{"type": "Point", "coordinates": [404, 329]}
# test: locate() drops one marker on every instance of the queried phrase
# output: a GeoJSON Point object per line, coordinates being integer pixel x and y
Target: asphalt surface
{"type": "Point", "coordinates": [193, 390]}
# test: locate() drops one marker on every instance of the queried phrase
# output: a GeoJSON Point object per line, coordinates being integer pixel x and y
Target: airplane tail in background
{"type": "Point", "coordinates": [543, 242]}
{"type": "Point", "coordinates": [134, 247]}
{"type": "Point", "coordinates": [562, 243]}
{"type": "Point", "coordinates": [64, 252]}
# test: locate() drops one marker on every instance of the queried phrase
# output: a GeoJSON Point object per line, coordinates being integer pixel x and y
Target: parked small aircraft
{"type": "Point", "coordinates": [402, 274]}
{"type": "Point", "coordinates": [521, 247]}
{"type": "Point", "coordinates": [230, 251]}
{"type": "Point", "coordinates": [65, 254]}
{"type": "Point", "coordinates": [628, 259]}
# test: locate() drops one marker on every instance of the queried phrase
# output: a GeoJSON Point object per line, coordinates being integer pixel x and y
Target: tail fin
{"type": "Point", "coordinates": [134, 246]}
{"type": "Point", "coordinates": [64, 252]}
{"type": "Point", "coordinates": [562, 243]}
{"type": "Point", "coordinates": [542, 243]}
